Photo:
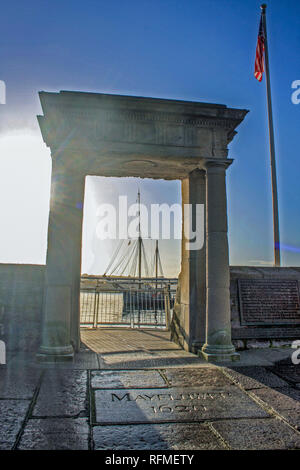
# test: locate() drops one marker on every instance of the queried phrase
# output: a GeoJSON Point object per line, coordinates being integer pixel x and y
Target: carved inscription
{"type": "Point", "coordinates": [269, 301]}
{"type": "Point", "coordinates": [179, 405]}
{"type": "Point", "coordinates": [181, 402]}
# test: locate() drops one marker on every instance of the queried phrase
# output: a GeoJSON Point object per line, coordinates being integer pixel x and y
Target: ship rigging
{"type": "Point", "coordinates": [130, 258]}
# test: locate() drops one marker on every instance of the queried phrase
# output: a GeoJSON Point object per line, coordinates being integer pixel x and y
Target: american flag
{"type": "Point", "coordinates": [259, 56]}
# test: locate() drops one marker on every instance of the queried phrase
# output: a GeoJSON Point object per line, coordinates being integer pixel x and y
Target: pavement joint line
{"type": "Point", "coordinates": [235, 418]}
{"type": "Point", "coordinates": [90, 405]}
{"type": "Point", "coordinates": [95, 424]}
{"type": "Point", "coordinates": [98, 361]}
{"type": "Point", "coordinates": [78, 415]}
{"type": "Point", "coordinates": [218, 435]}
{"type": "Point", "coordinates": [92, 416]}
{"type": "Point", "coordinates": [265, 406]}
{"type": "Point", "coordinates": [29, 411]}
{"type": "Point", "coordinates": [163, 375]}
{"type": "Point", "coordinates": [272, 411]}
{"type": "Point", "coordinates": [199, 421]}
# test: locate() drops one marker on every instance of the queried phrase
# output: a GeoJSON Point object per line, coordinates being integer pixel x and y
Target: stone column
{"type": "Point", "coordinates": [218, 346]}
{"type": "Point", "coordinates": [188, 324]}
{"type": "Point", "coordinates": [60, 329]}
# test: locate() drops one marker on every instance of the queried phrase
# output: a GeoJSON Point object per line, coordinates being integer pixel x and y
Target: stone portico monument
{"type": "Point", "coordinates": [111, 135]}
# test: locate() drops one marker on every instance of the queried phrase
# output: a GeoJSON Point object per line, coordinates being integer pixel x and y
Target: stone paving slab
{"type": "Point", "coordinates": [262, 357]}
{"type": "Point", "coordinates": [127, 379]}
{"type": "Point", "coordinates": [55, 434]}
{"type": "Point", "coordinates": [142, 361]}
{"type": "Point", "coordinates": [173, 405]}
{"type": "Point", "coordinates": [288, 372]}
{"type": "Point", "coordinates": [202, 377]}
{"type": "Point", "coordinates": [254, 377]}
{"type": "Point", "coordinates": [292, 417]}
{"type": "Point", "coordinates": [82, 361]}
{"type": "Point", "coordinates": [258, 434]}
{"type": "Point", "coordinates": [194, 405]}
{"type": "Point", "coordinates": [279, 400]}
{"type": "Point", "coordinates": [12, 415]}
{"type": "Point", "coordinates": [128, 349]}
{"type": "Point", "coordinates": [115, 340]}
{"type": "Point", "coordinates": [62, 393]}
{"type": "Point", "coordinates": [18, 383]}
{"type": "Point", "coordinates": [176, 436]}
{"type": "Point", "coordinates": [285, 402]}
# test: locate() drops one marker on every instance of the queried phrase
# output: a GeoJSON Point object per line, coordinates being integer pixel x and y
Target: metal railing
{"type": "Point", "coordinates": [126, 302]}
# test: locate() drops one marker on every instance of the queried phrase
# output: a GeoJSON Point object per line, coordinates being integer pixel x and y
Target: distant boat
{"type": "Point", "coordinates": [152, 300]}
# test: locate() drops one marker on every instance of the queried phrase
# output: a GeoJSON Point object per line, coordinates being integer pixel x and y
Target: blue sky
{"type": "Point", "coordinates": [192, 50]}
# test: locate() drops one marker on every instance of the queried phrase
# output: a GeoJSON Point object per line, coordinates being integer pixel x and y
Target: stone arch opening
{"type": "Point", "coordinates": [113, 292]}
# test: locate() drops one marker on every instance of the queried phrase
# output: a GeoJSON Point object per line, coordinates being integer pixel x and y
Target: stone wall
{"type": "Point", "coordinates": [21, 298]}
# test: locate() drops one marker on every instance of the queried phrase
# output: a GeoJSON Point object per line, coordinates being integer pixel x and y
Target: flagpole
{"type": "Point", "coordinates": [272, 146]}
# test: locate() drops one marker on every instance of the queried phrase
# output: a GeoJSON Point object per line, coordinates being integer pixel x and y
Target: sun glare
{"type": "Point", "coordinates": [25, 170]}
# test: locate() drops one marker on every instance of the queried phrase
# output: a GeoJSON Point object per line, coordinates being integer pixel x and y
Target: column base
{"type": "Point", "coordinates": [219, 353]}
{"type": "Point", "coordinates": [219, 357]}
{"type": "Point", "coordinates": [55, 354]}
{"type": "Point", "coordinates": [196, 347]}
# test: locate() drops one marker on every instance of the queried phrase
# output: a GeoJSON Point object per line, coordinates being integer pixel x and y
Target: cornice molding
{"type": "Point", "coordinates": [140, 116]}
{"type": "Point", "coordinates": [84, 120]}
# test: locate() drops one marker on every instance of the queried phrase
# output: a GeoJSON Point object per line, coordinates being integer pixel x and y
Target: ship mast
{"type": "Point", "coordinates": [132, 256]}
{"type": "Point", "coordinates": [156, 260]}
{"type": "Point", "coordinates": [139, 239]}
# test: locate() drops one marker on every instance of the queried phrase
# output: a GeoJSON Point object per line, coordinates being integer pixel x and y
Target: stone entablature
{"type": "Point", "coordinates": [111, 126]}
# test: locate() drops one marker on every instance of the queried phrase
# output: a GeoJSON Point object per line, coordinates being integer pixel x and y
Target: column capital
{"type": "Point", "coordinates": [197, 172]}
{"type": "Point", "coordinates": [215, 164]}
